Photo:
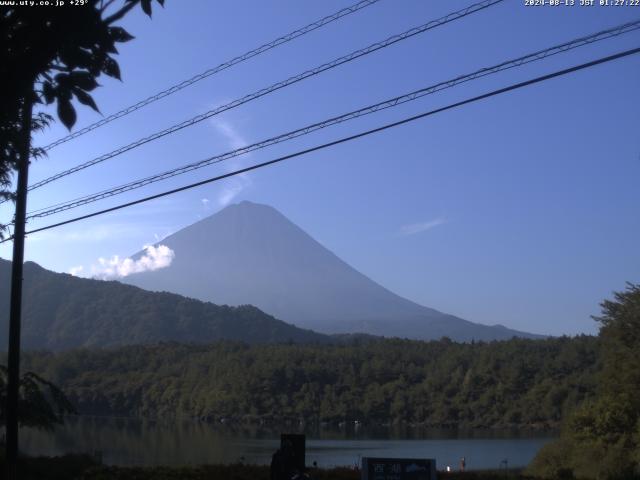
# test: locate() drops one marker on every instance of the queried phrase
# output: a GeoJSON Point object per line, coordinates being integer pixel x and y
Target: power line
{"type": "Point", "coordinates": [219, 68]}
{"type": "Point", "coordinates": [493, 93]}
{"type": "Point", "coordinates": [532, 57]}
{"type": "Point", "coordinates": [276, 86]}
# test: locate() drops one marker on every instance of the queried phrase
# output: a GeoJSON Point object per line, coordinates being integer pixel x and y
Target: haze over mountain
{"type": "Point", "coordinates": [251, 254]}
{"type": "Point", "coordinates": [61, 312]}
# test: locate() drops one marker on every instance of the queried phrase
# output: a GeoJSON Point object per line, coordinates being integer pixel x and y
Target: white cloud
{"type": "Point", "coordinates": [232, 187]}
{"type": "Point", "coordinates": [231, 190]}
{"type": "Point", "coordinates": [75, 271]}
{"type": "Point", "coordinates": [414, 228]}
{"type": "Point", "coordinates": [233, 136]}
{"type": "Point", "coordinates": [116, 267]}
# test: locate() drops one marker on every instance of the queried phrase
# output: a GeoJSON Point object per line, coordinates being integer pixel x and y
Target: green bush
{"type": "Point", "coordinates": [601, 439]}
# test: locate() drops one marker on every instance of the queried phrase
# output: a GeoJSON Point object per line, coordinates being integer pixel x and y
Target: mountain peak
{"type": "Point", "coordinates": [250, 253]}
{"type": "Point", "coordinates": [248, 205]}
{"type": "Point", "coordinates": [245, 227]}
{"type": "Point", "coordinates": [244, 211]}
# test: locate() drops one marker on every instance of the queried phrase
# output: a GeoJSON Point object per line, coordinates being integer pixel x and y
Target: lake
{"type": "Point", "coordinates": [125, 441]}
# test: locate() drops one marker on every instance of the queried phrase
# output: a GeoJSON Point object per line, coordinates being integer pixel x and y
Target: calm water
{"type": "Point", "coordinates": [145, 442]}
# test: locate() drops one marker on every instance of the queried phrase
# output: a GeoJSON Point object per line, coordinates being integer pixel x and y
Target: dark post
{"type": "Point", "coordinates": [13, 381]}
{"type": "Point", "coordinates": [295, 445]}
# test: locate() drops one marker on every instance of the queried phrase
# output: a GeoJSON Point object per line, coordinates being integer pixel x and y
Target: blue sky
{"type": "Point", "coordinates": [520, 210]}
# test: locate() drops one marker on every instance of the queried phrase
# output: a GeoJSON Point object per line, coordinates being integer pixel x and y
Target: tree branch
{"type": "Point", "coordinates": [121, 13]}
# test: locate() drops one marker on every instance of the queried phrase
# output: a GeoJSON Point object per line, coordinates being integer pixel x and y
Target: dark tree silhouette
{"type": "Point", "coordinates": [42, 404]}
{"type": "Point", "coordinates": [48, 54]}
{"type": "Point", "coordinates": [53, 55]}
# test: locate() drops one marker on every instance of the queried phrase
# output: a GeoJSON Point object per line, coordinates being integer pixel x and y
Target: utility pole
{"type": "Point", "coordinates": [13, 381]}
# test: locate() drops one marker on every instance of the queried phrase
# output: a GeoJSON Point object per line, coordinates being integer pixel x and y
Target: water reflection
{"type": "Point", "coordinates": [125, 441]}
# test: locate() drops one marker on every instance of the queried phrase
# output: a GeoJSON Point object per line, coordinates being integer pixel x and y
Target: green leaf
{"type": "Point", "coordinates": [146, 6]}
{"type": "Point", "coordinates": [86, 99]}
{"type": "Point", "coordinates": [49, 92]}
{"type": "Point", "coordinates": [84, 80]}
{"type": "Point", "coordinates": [76, 57]}
{"type": "Point", "coordinates": [110, 47]}
{"type": "Point", "coordinates": [119, 34]}
{"type": "Point", "coordinates": [111, 68]}
{"type": "Point", "coordinates": [66, 113]}
{"type": "Point", "coordinates": [62, 79]}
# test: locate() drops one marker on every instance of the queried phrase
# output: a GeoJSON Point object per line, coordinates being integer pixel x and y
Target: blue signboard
{"type": "Point", "coordinates": [398, 469]}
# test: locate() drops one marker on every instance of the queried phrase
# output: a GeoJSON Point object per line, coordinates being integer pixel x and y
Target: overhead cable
{"type": "Point", "coordinates": [276, 86]}
{"type": "Point", "coordinates": [217, 69]}
{"type": "Point", "coordinates": [408, 97]}
{"type": "Point", "coordinates": [493, 93]}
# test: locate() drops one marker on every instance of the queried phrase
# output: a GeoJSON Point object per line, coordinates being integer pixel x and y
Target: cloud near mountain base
{"type": "Point", "coordinates": [154, 258]}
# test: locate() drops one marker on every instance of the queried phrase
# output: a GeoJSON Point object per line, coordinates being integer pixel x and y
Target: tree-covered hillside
{"type": "Point", "coordinates": [61, 312]}
{"type": "Point", "coordinates": [517, 382]}
{"type": "Point", "coordinates": [601, 438]}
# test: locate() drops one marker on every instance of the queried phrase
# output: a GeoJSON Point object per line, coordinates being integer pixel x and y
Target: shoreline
{"type": "Point", "coordinates": [287, 423]}
{"type": "Point", "coordinates": [85, 467]}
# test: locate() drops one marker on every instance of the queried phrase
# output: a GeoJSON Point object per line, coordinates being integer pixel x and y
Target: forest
{"type": "Point", "coordinates": [516, 383]}
{"type": "Point", "coordinates": [62, 312]}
